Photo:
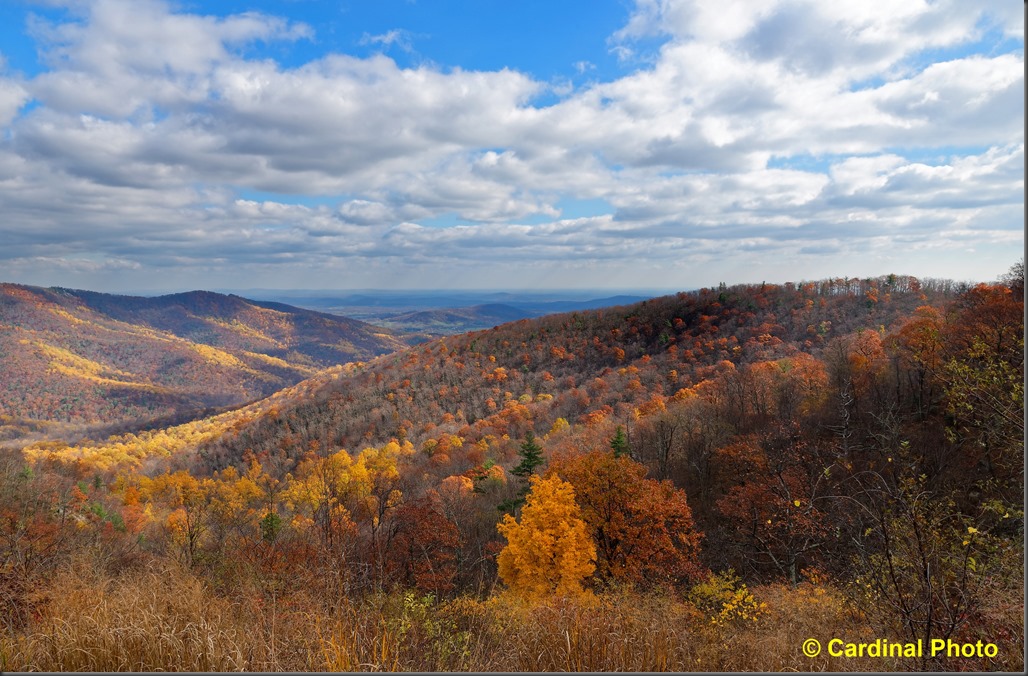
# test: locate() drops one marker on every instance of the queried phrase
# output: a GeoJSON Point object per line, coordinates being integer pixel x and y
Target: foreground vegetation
{"type": "Point", "coordinates": [156, 617]}
{"type": "Point", "coordinates": [700, 482]}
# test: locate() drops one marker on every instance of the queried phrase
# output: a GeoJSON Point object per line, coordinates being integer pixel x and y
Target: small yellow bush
{"type": "Point", "coordinates": [725, 599]}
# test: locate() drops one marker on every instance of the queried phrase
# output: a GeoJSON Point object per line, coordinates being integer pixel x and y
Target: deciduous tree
{"type": "Point", "coordinates": [549, 550]}
{"type": "Point", "coordinates": [643, 529]}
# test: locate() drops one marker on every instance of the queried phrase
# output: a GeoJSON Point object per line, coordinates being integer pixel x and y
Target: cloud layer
{"type": "Point", "coordinates": [778, 140]}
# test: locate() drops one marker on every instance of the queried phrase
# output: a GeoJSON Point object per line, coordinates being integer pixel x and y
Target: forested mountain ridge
{"type": "Point", "coordinates": [754, 464]}
{"type": "Point", "coordinates": [301, 336]}
{"type": "Point", "coordinates": [600, 363]}
{"type": "Point", "coordinates": [83, 357]}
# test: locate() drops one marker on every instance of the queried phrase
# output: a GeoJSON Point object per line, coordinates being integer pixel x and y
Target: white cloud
{"type": "Point", "coordinates": [151, 127]}
{"type": "Point", "coordinates": [12, 97]}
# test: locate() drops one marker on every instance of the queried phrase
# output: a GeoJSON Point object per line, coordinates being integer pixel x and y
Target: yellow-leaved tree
{"type": "Point", "coordinates": [550, 550]}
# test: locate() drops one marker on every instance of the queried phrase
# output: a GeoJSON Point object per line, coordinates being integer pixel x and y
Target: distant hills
{"type": "Point", "coordinates": [440, 312]}
{"type": "Point", "coordinates": [69, 356]}
{"type": "Point", "coordinates": [454, 320]}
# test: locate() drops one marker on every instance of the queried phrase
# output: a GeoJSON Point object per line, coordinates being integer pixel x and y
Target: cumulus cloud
{"type": "Point", "coordinates": [151, 127]}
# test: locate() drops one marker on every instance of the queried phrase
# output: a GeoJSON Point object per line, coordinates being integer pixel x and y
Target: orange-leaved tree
{"type": "Point", "coordinates": [423, 551]}
{"type": "Point", "coordinates": [643, 528]}
{"type": "Point", "coordinates": [550, 550]}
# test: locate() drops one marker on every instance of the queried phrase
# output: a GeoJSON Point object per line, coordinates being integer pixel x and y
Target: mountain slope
{"type": "Point", "coordinates": [581, 366]}
{"type": "Point", "coordinates": [84, 357]}
{"type": "Point", "coordinates": [301, 336]}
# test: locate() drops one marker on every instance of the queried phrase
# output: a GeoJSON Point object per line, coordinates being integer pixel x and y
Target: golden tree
{"type": "Point", "coordinates": [550, 549]}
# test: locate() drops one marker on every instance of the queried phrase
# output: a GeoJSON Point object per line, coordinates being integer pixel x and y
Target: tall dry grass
{"type": "Point", "coordinates": [156, 621]}
{"type": "Point", "coordinates": [656, 632]}
{"type": "Point", "coordinates": [167, 618]}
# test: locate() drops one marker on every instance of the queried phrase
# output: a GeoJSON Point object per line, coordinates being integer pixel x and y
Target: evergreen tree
{"type": "Point", "coordinates": [619, 443]}
{"type": "Point", "coordinates": [531, 454]}
{"type": "Point", "coordinates": [531, 457]}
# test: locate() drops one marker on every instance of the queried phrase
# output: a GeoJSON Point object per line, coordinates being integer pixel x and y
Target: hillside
{"type": "Point", "coordinates": [300, 336]}
{"type": "Point", "coordinates": [746, 465]}
{"type": "Point", "coordinates": [89, 358]}
{"type": "Point", "coordinates": [603, 362]}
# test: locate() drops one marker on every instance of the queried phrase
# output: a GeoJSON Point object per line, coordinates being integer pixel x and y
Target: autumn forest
{"type": "Point", "coordinates": [697, 482]}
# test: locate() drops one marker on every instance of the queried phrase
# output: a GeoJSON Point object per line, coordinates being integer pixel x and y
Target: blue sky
{"type": "Point", "coordinates": [149, 145]}
{"type": "Point", "coordinates": [551, 39]}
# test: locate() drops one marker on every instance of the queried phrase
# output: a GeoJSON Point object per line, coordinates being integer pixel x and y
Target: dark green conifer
{"type": "Point", "coordinates": [531, 457]}
{"type": "Point", "coordinates": [619, 443]}
{"type": "Point", "coordinates": [531, 454]}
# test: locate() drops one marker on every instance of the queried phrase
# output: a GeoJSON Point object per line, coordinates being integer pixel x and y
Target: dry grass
{"type": "Point", "coordinates": [155, 622]}
{"type": "Point", "coordinates": [775, 642]}
{"type": "Point", "coordinates": [168, 619]}
{"type": "Point", "coordinates": [633, 632]}
{"type": "Point", "coordinates": [608, 633]}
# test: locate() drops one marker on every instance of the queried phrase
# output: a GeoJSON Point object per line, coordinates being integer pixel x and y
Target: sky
{"type": "Point", "coordinates": [152, 145]}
